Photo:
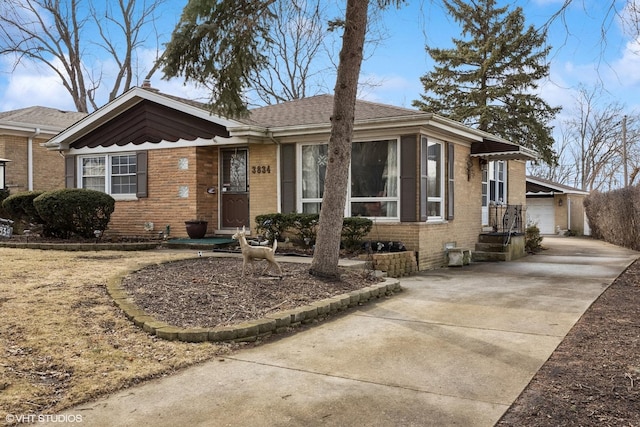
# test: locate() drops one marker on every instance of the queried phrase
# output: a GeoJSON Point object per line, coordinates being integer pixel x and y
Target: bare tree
{"type": "Point", "coordinates": [563, 171]}
{"type": "Point", "coordinates": [61, 34]}
{"type": "Point", "coordinates": [595, 134]}
{"type": "Point", "coordinates": [632, 140]}
{"type": "Point", "coordinates": [303, 52]}
{"type": "Point", "coordinates": [296, 62]}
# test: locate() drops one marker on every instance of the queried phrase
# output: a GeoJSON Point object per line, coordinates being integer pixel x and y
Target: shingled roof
{"type": "Point", "coordinates": [318, 109]}
{"type": "Point", "coordinates": [40, 117]}
{"type": "Point", "coordinates": [537, 185]}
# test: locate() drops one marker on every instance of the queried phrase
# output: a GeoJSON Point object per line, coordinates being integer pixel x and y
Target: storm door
{"type": "Point", "coordinates": [235, 188]}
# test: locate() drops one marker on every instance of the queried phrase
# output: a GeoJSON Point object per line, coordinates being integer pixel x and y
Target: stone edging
{"type": "Point", "coordinates": [274, 323]}
{"type": "Point", "coordinates": [137, 246]}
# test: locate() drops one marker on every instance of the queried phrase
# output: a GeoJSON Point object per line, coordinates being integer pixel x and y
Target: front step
{"type": "Point", "coordinates": [491, 248]}
{"type": "Point", "coordinates": [484, 256]}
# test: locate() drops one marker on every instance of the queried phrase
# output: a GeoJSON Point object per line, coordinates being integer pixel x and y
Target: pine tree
{"type": "Point", "coordinates": [488, 79]}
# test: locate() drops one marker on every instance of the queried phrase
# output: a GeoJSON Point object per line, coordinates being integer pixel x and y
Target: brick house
{"type": "Point", "coordinates": [23, 133]}
{"type": "Point", "coordinates": [425, 180]}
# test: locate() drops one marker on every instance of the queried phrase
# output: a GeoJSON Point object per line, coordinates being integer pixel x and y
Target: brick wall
{"type": "Point", "coordinates": [15, 149]}
{"type": "Point", "coordinates": [517, 184]}
{"type": "Point", "coordinates": [577, 213]}
{"type": "Point", "coordinates": [428, 239]}
{"type": "Point", "coordinates": [171, 171]}
{"type": "Point", "coordinates": [48, 166]}
{"type": "Point", "coordinates": [263, 181]}
{"type": "Point", "coordinates": [207, 176]}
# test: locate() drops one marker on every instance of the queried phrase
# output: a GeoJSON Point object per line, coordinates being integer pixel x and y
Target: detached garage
{"type": "Point", "coordinates": [556, 208]}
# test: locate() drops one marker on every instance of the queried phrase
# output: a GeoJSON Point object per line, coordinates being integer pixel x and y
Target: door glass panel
{"type": "Point", "coordinates": [234, 171]}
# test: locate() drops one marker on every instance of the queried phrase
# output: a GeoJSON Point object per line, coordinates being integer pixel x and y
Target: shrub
{"type": "Point", "coordinates": [615, 216]}
{"type": "Point", "coordinates": [21, 209]}
{"type": "Point", "coordinates": [273, 226]}
{"type": "Point", "coordinates": [4, 193]}
{"type": "Point", "coordinates": [532, 239]}
{"type": "Point", "coordinates": [354, 229]}
{"type": "Point", "coordinates": [74, 211]}
{"type": "Point", "coordinates": [305, 227]}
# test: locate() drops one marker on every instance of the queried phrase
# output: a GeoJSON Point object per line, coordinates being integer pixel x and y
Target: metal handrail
{"type": "Point", "coordinates": [507, 220]}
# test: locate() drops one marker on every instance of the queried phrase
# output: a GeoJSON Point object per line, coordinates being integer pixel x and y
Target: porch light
{"type": "Point", "coordinates": [559, 202]}
{"type": "Point", "coordinates": [3, 162]}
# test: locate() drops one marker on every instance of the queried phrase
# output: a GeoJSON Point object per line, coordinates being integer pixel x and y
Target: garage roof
{"type": "Point", "coordinates": [543, 187]}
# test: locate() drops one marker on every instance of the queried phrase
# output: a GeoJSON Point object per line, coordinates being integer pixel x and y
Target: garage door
{"type": "Point", "coordinates": [541, 211]}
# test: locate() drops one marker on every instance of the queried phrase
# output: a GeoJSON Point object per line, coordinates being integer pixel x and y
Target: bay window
{"type": "Point", "coordinates": [373, 183]}
{"type": "Point", "coordinates": [432, 179]}
{"type": "Point", "coordinates": [374, 179]}
{"type": "Point", "coordinates": [314, 166]}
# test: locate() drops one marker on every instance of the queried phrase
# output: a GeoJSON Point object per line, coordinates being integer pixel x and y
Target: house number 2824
{"type": "Point", "coordinates": [260, 169]}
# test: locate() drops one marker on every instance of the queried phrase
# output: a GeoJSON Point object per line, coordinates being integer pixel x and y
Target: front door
{"type": "Point", "coordinates": [235, 188]}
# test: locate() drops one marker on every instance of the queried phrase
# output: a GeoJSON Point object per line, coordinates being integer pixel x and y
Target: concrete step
{"type": "Point", "coordinates": [492, 247]}
{"type": "Point", "coordinates": [491, 238]}
{"type": "Point", "coordinates": [484, 256]}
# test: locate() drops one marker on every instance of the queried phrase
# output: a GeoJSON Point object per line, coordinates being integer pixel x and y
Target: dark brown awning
{"type": "Point", "coordinates": [150, 122]}
{"type": "Point", "coordinates": [501, 150]}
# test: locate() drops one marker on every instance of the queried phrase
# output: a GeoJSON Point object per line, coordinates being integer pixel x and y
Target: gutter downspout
{"type": "Point", "coordinates": [30, 158]}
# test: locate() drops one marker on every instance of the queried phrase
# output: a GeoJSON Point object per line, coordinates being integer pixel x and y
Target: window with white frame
{"type": "Point", "coordinates": [314, 166]}
{"type": "Point", "coordinates": [497, 182]}
{"type": "Point", "coordinates": [113, 174]}
{"type": "Point", "coordinates": [373, 182]}
{"type": "Point", "coordinates": [374, 179]}
{"type": "Point", "coordinates": [432, 178]}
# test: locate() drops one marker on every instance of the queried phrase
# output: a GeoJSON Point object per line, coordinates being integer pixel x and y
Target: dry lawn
{"type": "Point", "coordinates": [62, 341]}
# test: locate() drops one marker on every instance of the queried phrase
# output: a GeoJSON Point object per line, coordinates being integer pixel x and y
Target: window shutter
{"type": "Point", "coordinates": [70, 172]}
{"type": "Point", "coordinates": [408, 172]}
{"type": "Point", "coordinates": [450, 179]}
{"type": "Point", "coordinates": [288, 178]}
{"type": "Point", "coordinates": [141, 174]}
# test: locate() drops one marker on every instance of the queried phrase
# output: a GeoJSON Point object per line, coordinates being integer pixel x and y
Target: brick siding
{"type": "Point", "coordinates": [164, 206]}
{"type": "Point", "coordinates": [48, 166]}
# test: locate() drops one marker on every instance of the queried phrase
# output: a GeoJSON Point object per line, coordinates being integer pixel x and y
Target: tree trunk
{"type": "Point", "coordinates": [327, 251]}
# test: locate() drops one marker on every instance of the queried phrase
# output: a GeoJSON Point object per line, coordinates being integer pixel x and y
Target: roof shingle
{"type": "Point", "coordinates": [41, 116]}
{"type": "Point", "coordinates": [318, 110]}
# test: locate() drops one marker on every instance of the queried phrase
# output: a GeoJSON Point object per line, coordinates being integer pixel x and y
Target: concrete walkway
{"type": "Point", "coordinates": [455, 348]}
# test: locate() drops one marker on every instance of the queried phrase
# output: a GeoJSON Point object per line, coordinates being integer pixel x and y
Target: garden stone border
{"type": "Point", "coordinates": [274, 323]}
{"type": "Point", "coordinates": [137, 246]}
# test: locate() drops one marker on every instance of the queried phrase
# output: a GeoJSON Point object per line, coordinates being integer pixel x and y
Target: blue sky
{"type": "Point", "coordinates": [578, 57]}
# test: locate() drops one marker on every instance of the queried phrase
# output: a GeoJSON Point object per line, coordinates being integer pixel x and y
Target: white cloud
{"type": "Point", "coordinates": [627, 69]}
{"type": "Point", "coordinates": [392, 89]}
{"type": "Point", "coordinates": [31, 84]}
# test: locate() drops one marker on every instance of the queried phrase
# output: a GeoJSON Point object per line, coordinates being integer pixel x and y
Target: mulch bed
{"type": "Point", "coordinates": [593, 377]}
{"type": "Point", "coordinates": [211, 291]}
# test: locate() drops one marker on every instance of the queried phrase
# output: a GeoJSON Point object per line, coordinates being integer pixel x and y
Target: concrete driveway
{"type": "Point", "coordinates": [455, 348]}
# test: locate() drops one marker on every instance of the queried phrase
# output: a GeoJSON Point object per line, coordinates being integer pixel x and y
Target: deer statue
{"type": "Point", "coordinates": [250, 253]}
